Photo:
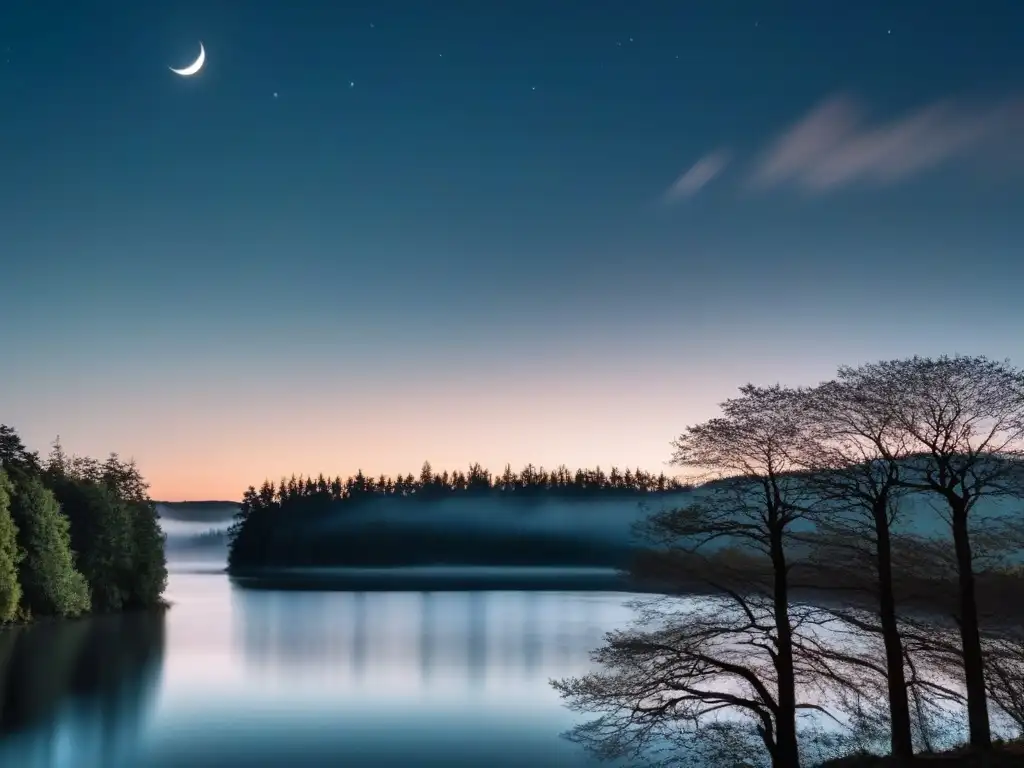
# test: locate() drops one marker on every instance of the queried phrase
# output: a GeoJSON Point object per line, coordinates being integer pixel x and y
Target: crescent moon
{"type": "Point", "coordinates": [194, 67]}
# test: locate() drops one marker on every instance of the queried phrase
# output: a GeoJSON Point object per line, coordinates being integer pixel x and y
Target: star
{"type": "Point", "coordinates": [351, 84]}
{"type": "Point", "coordinates": [275, 94]}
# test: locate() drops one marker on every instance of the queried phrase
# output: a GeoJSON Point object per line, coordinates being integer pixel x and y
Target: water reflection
{"type": "Point", "coordinates": [78, 693]}
{"type": "Point", "coordinates": [266, 678]}
{"type": "Point", "coordinates": [472, 639]}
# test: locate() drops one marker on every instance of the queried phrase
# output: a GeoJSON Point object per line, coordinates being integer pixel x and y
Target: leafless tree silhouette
{"type": "Point", "coordinates": [678, 670]}
{"type": "Point", "coordinates": [963, 422]}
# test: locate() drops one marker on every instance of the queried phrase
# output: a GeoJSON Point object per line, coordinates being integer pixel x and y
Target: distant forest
{"type": "Point", "coordinates": [265, 530]}
{"type": "Point", "coordinates": [197, 506]}
{"type": "Point", "coordinates": [433, 485]}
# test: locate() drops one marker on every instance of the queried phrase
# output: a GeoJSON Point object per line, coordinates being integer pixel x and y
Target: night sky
{"type": "Point", "coordinates": [369, 234]}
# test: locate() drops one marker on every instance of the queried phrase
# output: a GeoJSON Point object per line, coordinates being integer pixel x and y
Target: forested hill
{"type": "Point", "coordinates": [531, 518]}
{"type": "Point", "coordinates": [534, 517]}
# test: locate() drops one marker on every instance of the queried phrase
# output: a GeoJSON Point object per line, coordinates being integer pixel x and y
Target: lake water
{"type": "Point", "coordinates": [254, 678]}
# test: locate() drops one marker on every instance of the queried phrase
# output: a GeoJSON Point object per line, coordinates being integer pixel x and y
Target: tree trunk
{"type": "Point", "coordinates": [786, 754]}
{"type": "Point", "coordinates": [901, 740]}
{"type": "Point", "coordinates": [970, 635]}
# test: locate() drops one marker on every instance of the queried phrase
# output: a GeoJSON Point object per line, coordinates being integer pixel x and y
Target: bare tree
{"type": "Point", "coordinates": [963, 419]}
{"type": "Point", "coordinates": [1004, 663]}
{"type": "Point", "coordinates": [849, 460]}
{"type": "Point", "coordinates": [735, 648]}
{"type": "Point", "coordinates": [851, 659]}
{"type": "Point", "coordinates": [695, 677]}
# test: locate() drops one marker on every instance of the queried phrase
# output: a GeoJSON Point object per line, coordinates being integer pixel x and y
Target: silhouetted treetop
{"type": "Point", "coordinates": [432, 485]}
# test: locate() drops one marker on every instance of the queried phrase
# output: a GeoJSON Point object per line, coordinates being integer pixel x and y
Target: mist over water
{"type": "Point", "coordinates": [244, 677]}
{"type": "Point", "coordinates": [189, 543]}
{"type": "Point", "coordinates": [237, 677]}
{"type": "Point", "coordinates": [609, 519]}
{"type": "Point", "coordinates": [185, 529]}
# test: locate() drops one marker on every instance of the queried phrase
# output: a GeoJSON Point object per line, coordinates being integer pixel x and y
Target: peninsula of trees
{"type": "Point", "coordinates": [77, 535]}
{"type": "Point", "coordinates": [292, 523]}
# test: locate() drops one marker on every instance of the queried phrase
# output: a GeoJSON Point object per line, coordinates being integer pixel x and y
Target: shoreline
{"type": "Point", "coordinates": [441, 578]}
{"type": "Point", "coordinates": [162, 607]}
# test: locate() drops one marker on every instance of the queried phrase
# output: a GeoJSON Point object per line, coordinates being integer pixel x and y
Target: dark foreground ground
{"type": "Point", "coordinates": [1008, 755]}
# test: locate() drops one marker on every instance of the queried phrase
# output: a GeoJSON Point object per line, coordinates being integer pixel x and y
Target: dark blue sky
{"type": "Point", "coordinates": [454, 213]}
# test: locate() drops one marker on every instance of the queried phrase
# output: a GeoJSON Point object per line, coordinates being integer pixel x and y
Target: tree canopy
{"type": "Point", "coordinates": [76, 534]}
{"type": "Point", "coordinates": [272, 521]}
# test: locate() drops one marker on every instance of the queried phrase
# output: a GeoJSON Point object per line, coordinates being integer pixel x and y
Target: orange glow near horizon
{"type": "Point", "coordinates": [451, 430]}
{"type": "Point", "coordinates": [212, 442]}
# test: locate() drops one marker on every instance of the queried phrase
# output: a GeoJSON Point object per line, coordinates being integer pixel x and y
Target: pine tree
{"type": "Point", "coordinates": [10, 555]}
{"type": "Point", "coordinates": [14, 455]}
{"type": "Point", "coordinates": [101, 535]}
{"type": "Point", "coordinates": [58, 462]}
{"type": "Point", "coordinates": [149, 561]}
{"type": "Point", "coordinates": [50, 582]}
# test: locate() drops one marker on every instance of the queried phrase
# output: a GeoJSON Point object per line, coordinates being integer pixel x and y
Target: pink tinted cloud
{"type": "Point", "coordinates": [699, 175]}
{"type": "Point", "coordinates": [833, 147]}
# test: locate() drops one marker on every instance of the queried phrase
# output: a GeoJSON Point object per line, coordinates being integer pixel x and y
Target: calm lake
{"type": "Point", "coordinates": [233, 676]}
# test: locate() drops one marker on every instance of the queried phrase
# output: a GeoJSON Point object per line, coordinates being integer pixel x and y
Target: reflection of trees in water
{"type": "Point", "coordinates": [472, 636]}
{"type": "Point", "coordinates": [88, 683]}
{"type": "Point", "coordinates": [533, 651]}
{"type": "Point", "coordinates": [428, 617]}
{"type": "Point", "coordinates": [476, 637]}
{"type": "Point", "coordinates": [359, 634]}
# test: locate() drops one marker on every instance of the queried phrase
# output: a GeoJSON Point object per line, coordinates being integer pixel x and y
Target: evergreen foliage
{"type": "Point", "coordinates": [10, 555]}
{"type": "Point", "coordinates": [266, 530]}
{"type": "Point", "coordinates": [76, 534]}
{"type": "Point", "coordinates": [52, 585]}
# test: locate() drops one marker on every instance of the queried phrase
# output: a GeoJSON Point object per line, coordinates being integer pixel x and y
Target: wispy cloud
{"type": "Point", "coordinates": [702, 172]}
{"type": "Point", "coordinates": [833, 146]}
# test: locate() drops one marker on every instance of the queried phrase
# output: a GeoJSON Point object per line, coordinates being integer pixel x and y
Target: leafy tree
{"type": "Point", "coordinates": [13, 454]}
{"type": "Point", "coordinates": [148, 558]}
{"type": "Point", "coordinates": [51, 583]}
{"type": "Point", "coordinates": [58, 462]}
{"type": "Point", "coordinates": [146, 578]}
{"type": "Point", "coordinates": [101, 535]}
{"type": "Point", "coordinates": [10, 555]}
{"type": "Point", "coordinates": [124, 479]}
{"type": "Point", "coordinates": [115, 529]}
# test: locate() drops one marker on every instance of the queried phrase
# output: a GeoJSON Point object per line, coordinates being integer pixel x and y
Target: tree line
{"type": "Point", "coordinates": [77, 535]}
{"type": "Point", "coordinates": [268, 529]}
{"type": "Point", "coordinates": [432, 485]}
{"type": "Point", "coordinates": [817, 598]}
